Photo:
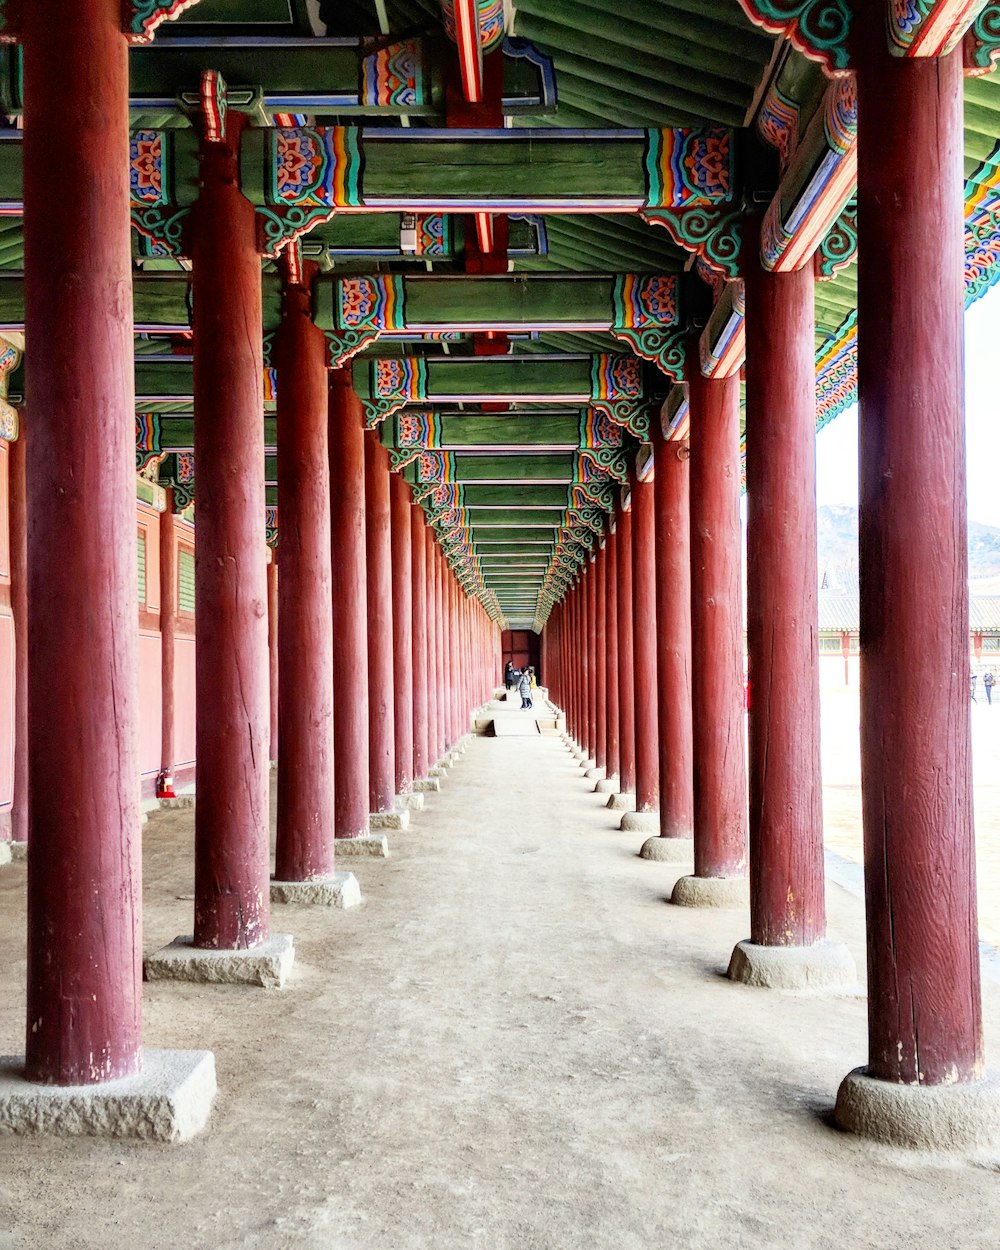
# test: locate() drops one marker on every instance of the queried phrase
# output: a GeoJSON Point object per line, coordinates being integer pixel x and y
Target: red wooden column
{"type": "Point", "coordinates": [433, 678]}
{"type": "Point", "coordinates": [231, 592]}
{"type": "Point", "coordinates": [84, 1017]}
{"type": "Point", "coordinates": [350, 610]}
{"type": "Point", "coordinates": [626, 654]}
{"type": "Point", "coordinates": [600, 668]}
{"type": "Point", "coordinates": [673, 649]}
{"type": "Point", "coordinates": [381, 727]}
{"type": "Point", "coordinates": [590, 665]}
{"type": "Point", "coordinates": [272, 655]}
{"type": "Point", "coordinates": [720, 838]}
{"type": "Point", "coordinates": [787, 906]}
{"type": "Point", "coordinates": [924, 1013]}
{"type": "Point", "coordinates": [18, 524]}
{"type": "Point", "coordinates": [421, 710]}
{"type": "Point", "coordinates": [168, 629]}
{"type": "Point", "coordinates": [305, 823]}
{"type": "Point", "coordinates": [645, 818]}
{"type": "Point", "coordinates": [611, 648]}
{"type": "Point", "coordinates": [402, 632]}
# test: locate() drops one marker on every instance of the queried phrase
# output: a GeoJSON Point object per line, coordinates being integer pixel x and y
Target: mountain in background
{"type": "Point", "coordinates": [838, 550]}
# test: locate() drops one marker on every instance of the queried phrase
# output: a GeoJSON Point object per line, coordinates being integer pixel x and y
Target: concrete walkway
{"type": "Point", "coordinates": [515, 1044]}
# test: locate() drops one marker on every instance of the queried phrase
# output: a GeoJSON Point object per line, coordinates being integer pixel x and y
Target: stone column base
{"type": "Point", "coordinates": [711, 892]}
{"type": "Point", "coordinates": [427, 785]}
{"type": "Point", "coordinates": [368, 845]}
{"type": "Point", "coordinates": [609, 785]}
{"type": "Point", "coordinates": [826, 965]}
{"type": "Point", "coordinates": [667, 850]}
{"type": "Point", "coordinates": [181, 803]}
{"type": "Point", "coordinates": [266, 965]}
{"type": "Point", "coordinates": [19, 850]}
{"type": "Point", "coordinates": [623, 801]}
{"type": "Point", "coordinates": [412, 802]}
{"type": "Point", "coordinates": [640, 822]}
{"type": "Point", "coordinates": [169, 1100]}
{"type": "Point", "coordinates": [340, 889]}
{"type": "Point", "coordinates": [439, 771]}
{"type": "Point", "coordinates": [960, 1117]}
{"type": "Point", "coordinates": [389, 820]}
{"type": "Point", "coordinates": [595, 774]}
{"type": "Point", "coordinates": [587, 763]}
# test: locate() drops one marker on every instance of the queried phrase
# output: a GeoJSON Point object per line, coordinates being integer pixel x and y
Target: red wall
{"type": "Point", "coordinates": [520, 646]}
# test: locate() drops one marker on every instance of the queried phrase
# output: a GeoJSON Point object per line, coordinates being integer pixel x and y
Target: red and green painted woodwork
{"type": "Point", "coordinates": [411, 431]}
{"type": "Point", "coordinates": [611, 384]}
{"type": "Point", "coordinates": [642, 310]}
{"type": "Point", "coordinates": [820, 29]}
{"type": "Point", "coordinates": [140, 18]}
{"type": "Point", "coordinates": [298, 177]}
{"type": "Point", "coordinates": [475, 27]}
{"type": "Point", "coordinates": [836, 360]}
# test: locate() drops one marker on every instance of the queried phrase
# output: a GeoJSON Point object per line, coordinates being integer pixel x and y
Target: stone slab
{"type": "Point", "coordinates": [181, 802]}
{"type": "Point", "coordinates": [427, 785]}
{"type": "Point", "coordinates": [266, 965]}
{"type": "Point", "coordinates": [711, 892]}
{"type": "Point", "coordinates": [340, 889]}
{"type": "Point", "coordinates": [826, 965]}
{"type": "Point", "coordinates": [368, 846]}
{"type": "Point", "coordinates": [667, 850]}
{"type": "Point", "coordinates": [964, 1117]}
{"type": "Point", "coordinates": [622, 801]}
{"type": "Point", "coordinates": [608, 785]}
{"type": "Point", "coordinates": [169, 1100]}
{"type": "Point", "coordinates": [640, 822]}
{"type": "Point", "coordinates": [413, 802]}
{"type": "Point", "coordinates": [6, 854]}
{"type": "Point", "coordinates": [389, 820]}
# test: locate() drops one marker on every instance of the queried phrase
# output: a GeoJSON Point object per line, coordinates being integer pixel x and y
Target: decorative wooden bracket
{"type": "Point", "coordinates": [818, 28]}
{"type": "Point", "coordinates": [713, 234]}
{"type": "Point", "coordinates": [840, 246]}
{"type": "Point", "coordinates": [981, 49]}
{"type": "Point", "coordinates": [141, 17]}
{"type": "Point", "coordinates": [608, 463]}
{"type": "Point", "coordinates": [627, 413]}
{"type": "Point", "coordinates": [664, 347]}
{"type": "Point", "coordinates": [926, 28]}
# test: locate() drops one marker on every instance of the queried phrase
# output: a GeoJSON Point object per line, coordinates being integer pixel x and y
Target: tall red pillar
{"type": "Point", "coordinates": [168, 647]}
{"type": "Point", "coordinates": [644, 624]}
{"type": "Point", "coordinates": [272, 655]}
{"type": "Point", "coordinates": [600, 668]}
{"type": "Point", "coordinates": [18, 526]}
{"type": "Point", "coordinates": [231, 596]}
{"type": "Point", "coordinates": [672, 524]}
{"type": "Point", "coordinates": [924, 1010]}
{"type": "Point", "coordinates": [305, 817]}
{"type": "Point", "coordinates": [433, 628]}
{"type": "Point", "coordinates": [84, 1017]}
{"type": "Point", "coordinates": [381, 729]}
{"type": "Point", "coordinates": [787, 905]}
{"type": "Point", "coordinates": [611, 650]}
{"type": "Point", "coordinates": [626, 653]}
{"type": "Point", "coordinates": [402, 631]}
{"type": "Point", "coordinates": [350, 608]}
{"type": "Point", "coordinates": [720, 837]}
{"type": "Point", "coordinates": [421, 711]}
{"type": "Point", "coordinates": [590, 666]}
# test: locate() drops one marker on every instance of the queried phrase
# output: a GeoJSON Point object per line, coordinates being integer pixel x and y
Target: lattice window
{"type": "Point", "coordinates": [991, 643]}
{"type": "Point", "coordinates": [142, 568]}
{"type": "Point", "coordinates": [185, 581]}
{"type": "Point", "coordinates": [830, 644]}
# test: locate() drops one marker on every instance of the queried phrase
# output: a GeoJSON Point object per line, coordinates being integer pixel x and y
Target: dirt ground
{"type": "Point", "coordinates": [514, 1044]}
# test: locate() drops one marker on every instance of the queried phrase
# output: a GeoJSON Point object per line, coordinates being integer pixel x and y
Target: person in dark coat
{"type": "Point", "coordinates": [508, 675]}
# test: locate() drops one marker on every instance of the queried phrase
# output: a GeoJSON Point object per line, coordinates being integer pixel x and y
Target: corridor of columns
{"type": "Point", "coordinates": [513, 1043]}
{"type": "Point", "coordinates": [358, 357]}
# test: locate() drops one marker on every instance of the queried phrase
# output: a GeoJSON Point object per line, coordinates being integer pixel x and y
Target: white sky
{"type": "Point", "coordinates": [837, 443]}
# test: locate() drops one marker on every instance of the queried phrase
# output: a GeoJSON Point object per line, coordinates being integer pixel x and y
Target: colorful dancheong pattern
{"type": "Point", "coordinates": [316, 167]}
{"type": "Point", "coordinates": [687, 168]}
{"type": "Point", "coordinates": [394, 77]}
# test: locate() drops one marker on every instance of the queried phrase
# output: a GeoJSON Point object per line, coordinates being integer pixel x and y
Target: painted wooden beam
{"type": "Point", "coordinates": [929, 27]}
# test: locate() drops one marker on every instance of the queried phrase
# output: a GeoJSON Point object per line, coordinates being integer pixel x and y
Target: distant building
{"type": "Point", "coordinates": [840, 642]}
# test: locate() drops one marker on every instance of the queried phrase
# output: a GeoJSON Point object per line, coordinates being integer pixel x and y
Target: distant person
{"type": "Point", "coordinates": [508, 675]}
{"type": "Point", "coordinates": [988, 682]}
{"type": "Point", "coordinates": [524, 688]}
{"type": "Point", "coordinates": [972, 687]}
